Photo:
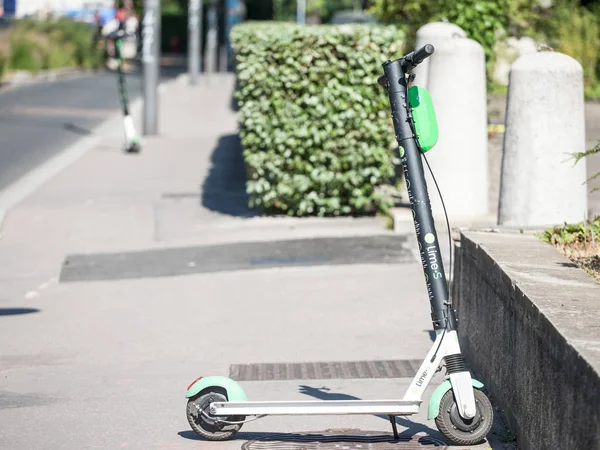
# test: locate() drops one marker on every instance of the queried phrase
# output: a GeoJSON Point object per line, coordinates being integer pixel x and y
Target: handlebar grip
{"type": "Point", "coordinates": [413, 59]}
{"type": "Point", "coordinates": [410, 61]}
{"type": "Point", "coordinates": [424, 52]}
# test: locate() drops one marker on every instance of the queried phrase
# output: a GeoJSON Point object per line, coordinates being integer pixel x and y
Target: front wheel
{"type": "Point", "coordinates": [133, 147]}
{"type": "Point", "coordinates": [212, 428]}
{"type": "Point", "coordinates": [462, 431]}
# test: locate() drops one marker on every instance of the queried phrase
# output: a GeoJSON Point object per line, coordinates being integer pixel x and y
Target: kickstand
{"type": "Point", "coordinates": [393, 422]}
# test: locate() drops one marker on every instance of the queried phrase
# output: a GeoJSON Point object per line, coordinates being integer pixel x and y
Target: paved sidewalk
{"type": "Point", "coordinates": [91, 357]}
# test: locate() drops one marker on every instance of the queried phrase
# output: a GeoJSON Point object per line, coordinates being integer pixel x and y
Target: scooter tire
{"type": "Point", "coordinates": [460, 431]}
{"type": "Point", "coordinates": [201, 421]}
{"type": "Point", "coordinates": [133, 148]}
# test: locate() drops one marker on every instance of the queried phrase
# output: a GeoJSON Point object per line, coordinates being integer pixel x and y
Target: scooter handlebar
{"type": "Point", "coordinates": [412, 60]}
{"type": "Point", "coordinates": [118, 34]}
{"type": "Point", "coordinates": [417, 57]}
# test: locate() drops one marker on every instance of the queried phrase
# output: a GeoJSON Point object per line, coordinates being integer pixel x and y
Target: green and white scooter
{"type": "Point", "coordinates": [217, 406]}
{"type": "Point", "coordinates": [132, 139]}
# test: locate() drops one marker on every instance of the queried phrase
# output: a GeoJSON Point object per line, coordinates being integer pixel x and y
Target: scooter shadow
{"type": "Point", "coordinates": [305, 439]}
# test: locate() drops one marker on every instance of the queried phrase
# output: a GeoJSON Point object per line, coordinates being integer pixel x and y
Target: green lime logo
{"type": "Point", "coordinates": [401, 149]}
{"type": "Point", "coordinates": [429, 238]}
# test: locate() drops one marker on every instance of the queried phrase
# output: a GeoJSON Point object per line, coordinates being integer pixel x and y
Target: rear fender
{"type": "Point", "coordinates": [234, 391]}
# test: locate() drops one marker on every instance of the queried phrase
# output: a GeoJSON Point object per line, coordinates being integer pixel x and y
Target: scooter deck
{"type": "Point", "coordinates": [330, 407]}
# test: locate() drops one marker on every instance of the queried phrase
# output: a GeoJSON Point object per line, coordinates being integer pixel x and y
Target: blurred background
{"type": "Point", "coordinates": [37, 36]}
{"type": "Point", "coordinates": [500, 26]}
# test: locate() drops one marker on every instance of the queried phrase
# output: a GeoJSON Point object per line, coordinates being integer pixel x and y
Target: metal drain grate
{"type": "Point", "coordinates": [402, 368]}
{"type": "Point", "coordinates": [341, 440]}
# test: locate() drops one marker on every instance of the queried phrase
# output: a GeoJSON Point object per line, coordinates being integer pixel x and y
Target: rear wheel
{"type": "Point", "coordinates": [206, 425]}
{"type": "Point", "coordinates": [462, 431]}
{"type": "Point", "coordinates": [133, 147]}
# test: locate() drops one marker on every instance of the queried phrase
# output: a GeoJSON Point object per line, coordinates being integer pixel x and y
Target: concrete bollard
{"type": "Point", "coordinates": [540, 185]}
{"type": "Point", "coordinates": [433, 33]}
{"type": "Point", "coordinates": [457, 84]}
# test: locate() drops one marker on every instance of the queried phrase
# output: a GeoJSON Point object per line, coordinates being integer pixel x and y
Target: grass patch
{"type": "Point", "coordinates": [579, 242]}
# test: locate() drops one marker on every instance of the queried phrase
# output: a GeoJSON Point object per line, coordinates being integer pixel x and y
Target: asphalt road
{"type": "Point", "coordinates": [39, 120]}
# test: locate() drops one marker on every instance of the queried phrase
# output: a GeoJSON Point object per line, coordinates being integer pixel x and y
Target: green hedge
{"type": "Point", "coordinates": [49, 44]}
{"type": "Point", "coordinates": [3, 64]}
{"type": "Point", "coordinates": [314, 124]}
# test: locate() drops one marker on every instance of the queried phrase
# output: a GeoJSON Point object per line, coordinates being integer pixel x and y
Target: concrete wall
{"type": "Point", "coordinates": [529, 324]}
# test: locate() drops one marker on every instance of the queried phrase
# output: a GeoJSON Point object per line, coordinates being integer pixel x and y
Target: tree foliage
{"type": "Point", "coordinates": [564, 25]}
{"type": "Point", "coordinates": [286, 10]}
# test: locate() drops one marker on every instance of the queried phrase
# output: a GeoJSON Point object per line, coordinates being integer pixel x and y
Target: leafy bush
{"type": "Point", "coordinates": [78, 40]}
{"type": "Point", "coordinates": [324, 9]}
{"type": "Point", "coordinates": [24, 54]}
{"type": "Point", "coordinates": [413, 13]}
{"type": "Point", "coordinates": [579, 37]}
{"type": "Point", "coordinates": [593, 91]}
{"type": "Point", "coordinates": [38, 45]}
{"type": "Point", "coordinates": [482, 20]}
{"type": "Point", "coordinates": [314, 124]}
{"type": "Point", "coordinates": [562, 24]}
{"type": "Point", "coordinates": [57, 57]}
{"type": "Point", "coordinates": [3, 64]}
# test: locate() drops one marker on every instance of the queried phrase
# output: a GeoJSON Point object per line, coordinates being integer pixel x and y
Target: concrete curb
{"type": "Point", "coordinates": [30, 182]}
{"type": "Point", "coordinates": [23, 78]}
{"type": "Point", "coordinates": [528, 321]}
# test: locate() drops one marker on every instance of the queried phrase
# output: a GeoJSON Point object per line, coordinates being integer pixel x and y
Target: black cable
{"type": "Point", "coordinates": [447, 223]}
{"type": "Point", "coordinates": [439, 346]}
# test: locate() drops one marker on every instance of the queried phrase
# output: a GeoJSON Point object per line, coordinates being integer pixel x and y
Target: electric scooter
{"type": "Point", "coordinates": [217, 406]}
{"type": "Point", "coordinates": [132, 139]}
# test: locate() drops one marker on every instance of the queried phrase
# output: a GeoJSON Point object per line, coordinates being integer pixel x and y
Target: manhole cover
{"type": "Point", "coordinates": [341, 440]}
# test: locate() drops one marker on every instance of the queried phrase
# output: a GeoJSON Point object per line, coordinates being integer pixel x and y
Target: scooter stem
{"type": "Point", "coordinates": [442, 314]}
